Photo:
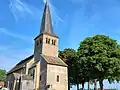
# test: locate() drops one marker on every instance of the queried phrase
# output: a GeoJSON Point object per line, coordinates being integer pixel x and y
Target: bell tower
{"type": "Point", "coordinates": [46, 42]}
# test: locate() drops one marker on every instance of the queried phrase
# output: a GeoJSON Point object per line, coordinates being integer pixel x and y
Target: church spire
{"type": "Point", "coordinates": [46, 24]}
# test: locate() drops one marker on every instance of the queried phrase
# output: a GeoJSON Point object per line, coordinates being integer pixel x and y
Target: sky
{"type": "Point", "coordinates": [73, 21]}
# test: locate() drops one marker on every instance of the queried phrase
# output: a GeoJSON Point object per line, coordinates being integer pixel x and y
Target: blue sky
{"type": "Point", "coordinates": [73, 20]}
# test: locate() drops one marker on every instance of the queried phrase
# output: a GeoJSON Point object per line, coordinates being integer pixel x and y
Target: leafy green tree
{"type": "Point", "coordinates": [76, 70]}
{"type": "Point", "coordinates": [83, 72]}
{"type": "Point", "coordinates": [102, 55]}
{"type": "Point", "coordinates": [79, 73]}
{"type": "Point", "coordinates": [115, 70]}
{"type": "Point", "coordinates": [2, 75]}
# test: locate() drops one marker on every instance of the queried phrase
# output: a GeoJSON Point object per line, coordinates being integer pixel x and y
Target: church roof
{"type": "Point", "coordinates": [21, 64]}
{"type": "Point", "coordinates": [54, 60]}
{"type": "Point", "coordinates": [46, 23]}
{"type": "Point", "coordinates": [49, 59]}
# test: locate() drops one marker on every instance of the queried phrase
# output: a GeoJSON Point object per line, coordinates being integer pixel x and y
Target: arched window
{"type": "Point", "coordinates": [48, 41]}
{"type": "Point", "coordinates": [58, 78]}
{"type": "Point", "coordinates": [54, 42]}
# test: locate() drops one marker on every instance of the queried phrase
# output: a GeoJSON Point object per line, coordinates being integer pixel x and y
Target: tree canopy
{"type": "Point", "coordinates": [76, 73]}
{"type": "Point", "coordinates": [101, 57]}
{"type": "Point", "coordinates": [2, 75]}
{"type": "Point", "coordinates": [97, 58]}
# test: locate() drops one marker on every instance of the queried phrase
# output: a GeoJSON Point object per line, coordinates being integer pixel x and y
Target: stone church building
{"type": "Point", "coordinates": [43, 70]}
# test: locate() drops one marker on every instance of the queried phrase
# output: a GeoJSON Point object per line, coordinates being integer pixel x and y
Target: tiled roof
{"type": "Point", "coordinates": [48, 59]}
{"type": "Point", "coordinates": [21, 64]}
{"type": "Point", "coordinates": [54, 60]}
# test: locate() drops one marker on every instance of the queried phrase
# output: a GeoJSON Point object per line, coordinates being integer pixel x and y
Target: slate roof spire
{"type": "Point", "coordinates": [46, 24]}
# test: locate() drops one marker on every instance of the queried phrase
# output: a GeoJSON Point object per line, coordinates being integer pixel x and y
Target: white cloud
{"type": "Point", "coordinates": [22, 9]}
{"type": "Point", "coordinates": [15, 35]}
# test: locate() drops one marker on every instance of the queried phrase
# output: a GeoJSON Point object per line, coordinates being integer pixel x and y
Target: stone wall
{"type": "Point", "coordinates": [43, 74]}
{"type": "Point", "coordinates": [27, 85]}
{"type": "Point", "coordinates": [52, 72]}
{"type": "Point", "coordinates": [49, 49]}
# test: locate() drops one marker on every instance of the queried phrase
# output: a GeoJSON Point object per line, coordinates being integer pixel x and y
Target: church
{"type": "Point", "coordinates": [43, 70]}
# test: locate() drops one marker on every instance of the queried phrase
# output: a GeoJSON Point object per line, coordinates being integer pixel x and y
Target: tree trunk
{"type": "Point", "coordinates": [101, 84]}
{"type": "Point", "coordinates": [82, 85]}
{"type": "Point", "coordinates": [95, 84]}
{"type": "Point", "coordinates": [88, 84]}
{"type": "Point", "coordinates": [77, 86]}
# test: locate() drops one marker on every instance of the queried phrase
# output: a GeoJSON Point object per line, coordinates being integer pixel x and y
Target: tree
{"type": "Point", "coordinates": [102, 55]}
{"type": "Point", "coordinates": [67, 55]}
{"type": "Point", "coordinates": [83, 72]}
{"type": "Point", "coordinates": [76, 74]}
{"type": "Point", "coordinates": [79, 72]}
{"type": "Point", "coordinates": [2, 75]}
